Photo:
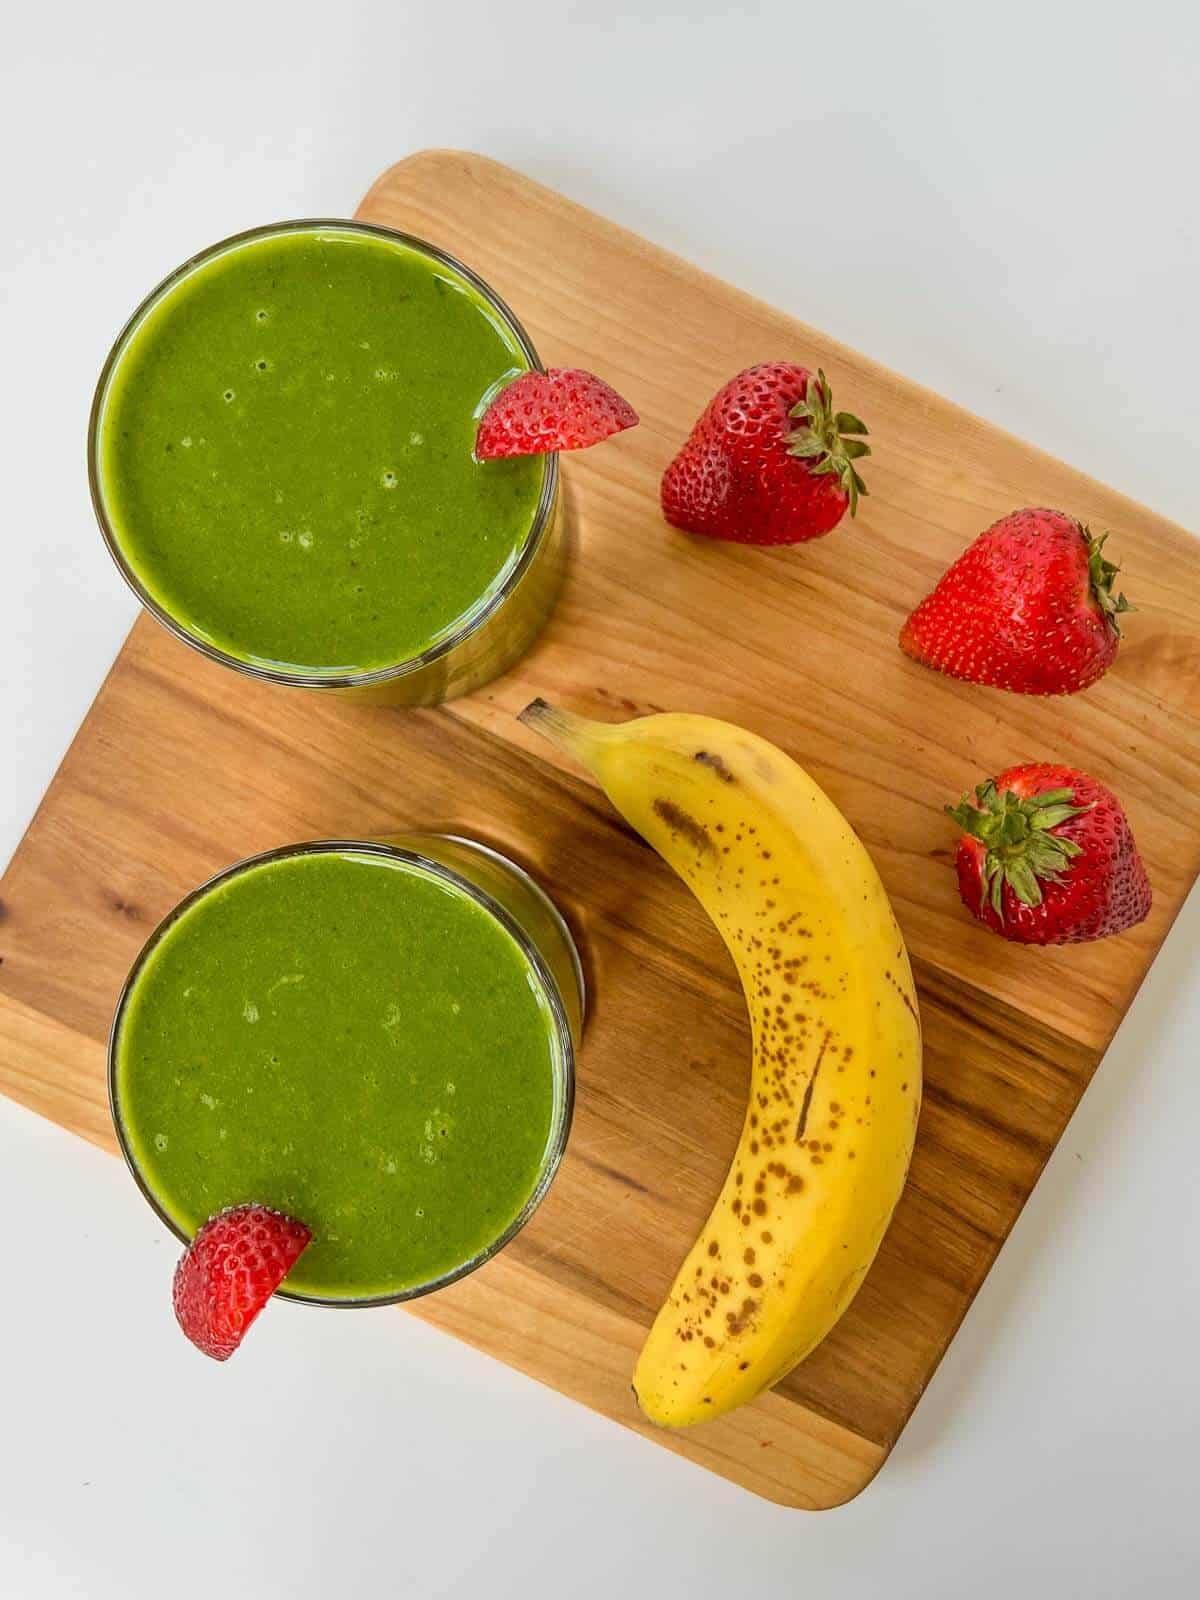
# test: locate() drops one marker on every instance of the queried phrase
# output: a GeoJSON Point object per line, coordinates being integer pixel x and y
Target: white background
{"type": "Point", "coordinates": [999, 201]}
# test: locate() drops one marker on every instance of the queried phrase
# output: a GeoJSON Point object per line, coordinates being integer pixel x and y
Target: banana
{"type": "Point", "coordinates": [835, 1087]}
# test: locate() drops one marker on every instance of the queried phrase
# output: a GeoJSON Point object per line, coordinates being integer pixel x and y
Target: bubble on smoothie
{"type": "Point", "coordinates": [160, 1141]}
{"type": "Point", "coordinates": [438, 1126]}
{"type": "Point", "coordinates": [286, 536]}
{"type": "Point", "coordinates": [262, 364]}
{"type": "Point", "coordinates": [186, 441]}
{"type": "Point", "coordinates": [416, 438]}
{"type": "Point", "coordinates": [388, 480]}
{"type": "Point", "coordinates": [250, 1011]}
{"type": "Point", "coordinates": [286, 979]}
{"type": "Point", "coordinates": [229, 397]}
{"type": "Point", "coordinates": [261, 314]}
{"type": "Point", "coordinates": [305, 540]}
{"type": "Point", "coordinates": [420, 1211]}
{"type": "Point", "coordinates": [450, 1089]}
{"type": "Point", "coordinates": [389, 1166]}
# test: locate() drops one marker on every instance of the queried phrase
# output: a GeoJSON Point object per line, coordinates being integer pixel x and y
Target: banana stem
{"type": "Point", "coordinates": [564, 729]}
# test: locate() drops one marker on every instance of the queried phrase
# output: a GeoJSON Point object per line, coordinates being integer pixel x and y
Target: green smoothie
{"type": "Point", "coordinates": [350, 1039]}
{"type": "Point", "coordinates": [284, 452]}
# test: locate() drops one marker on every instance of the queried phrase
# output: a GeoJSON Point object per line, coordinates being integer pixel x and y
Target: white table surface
{"type": "Point", "coordinates": [999, 201]}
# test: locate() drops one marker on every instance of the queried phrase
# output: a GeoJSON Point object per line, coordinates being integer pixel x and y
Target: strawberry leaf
{"type": "Point", "coordinates": [1021, 850]}
{"type": "Point", "coordinates": [1102, 574]}
{"type": "Point", "coordinates": [822, 439]}
{"type": "Point", "coordinates": [847, 422]}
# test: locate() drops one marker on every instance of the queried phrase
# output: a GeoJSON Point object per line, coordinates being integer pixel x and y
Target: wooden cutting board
{"type": "Point", "coordinates": [182, 767]}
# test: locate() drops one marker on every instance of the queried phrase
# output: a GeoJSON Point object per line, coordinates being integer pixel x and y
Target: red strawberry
{"type": "Point", "coordinates": [1047, 857]}
{"type": "Point", "coordinates": [563, 408]}
{"type": "Point", "coordinates": [1028, 607]}
{"type": "Point", "coordinates": [769, 462]}
{"type": "Point", "coordinates": [230, 1270]}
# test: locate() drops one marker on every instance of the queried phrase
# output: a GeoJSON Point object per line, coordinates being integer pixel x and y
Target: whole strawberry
{"type": "Point", "coordinates": [1047, 857]}
{"type": "Point", "coordinates": [563, 408]}
{"type": "Point", "coordinates": [769, 462]}
{"type": "Point", "coordinates": [230, 1270]}
{"type": "Point", "coordinates": [1028, 607]}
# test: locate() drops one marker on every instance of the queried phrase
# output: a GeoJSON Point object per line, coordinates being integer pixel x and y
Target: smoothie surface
{"type": "Point", "coordinates": [353, 1042]}
{"type": "Point", "coordinates": [285, 452]}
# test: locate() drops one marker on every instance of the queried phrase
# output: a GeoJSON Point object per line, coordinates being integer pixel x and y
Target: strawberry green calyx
{"type": "Point", "coordinates": [824, 438]}
{"type": "Point", "coordinates": [1015, 830]}
{"type": "Point", "coordinates": [1102, 574]}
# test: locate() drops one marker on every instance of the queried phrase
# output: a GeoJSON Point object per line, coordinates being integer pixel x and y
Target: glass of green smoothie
{"type": "Point", "coordinates": [281, 462]}
{"type": "Point", "coordinates": [376, 1037]}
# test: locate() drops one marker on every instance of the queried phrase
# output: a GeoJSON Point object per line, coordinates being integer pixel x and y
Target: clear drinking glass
{"type": "Point", "coordinates": [530, 918]}
{"type": "Point", "coordinates": [497, 629]}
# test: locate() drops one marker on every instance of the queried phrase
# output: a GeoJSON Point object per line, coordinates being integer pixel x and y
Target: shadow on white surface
{"type": "Point", "coordinates": [1093, 1187]}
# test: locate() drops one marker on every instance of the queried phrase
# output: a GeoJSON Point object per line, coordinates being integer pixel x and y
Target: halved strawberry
{"type": "Point", "coordinates": [563, 408]}
{"type": "Point", "coordinates": [230, 1270]}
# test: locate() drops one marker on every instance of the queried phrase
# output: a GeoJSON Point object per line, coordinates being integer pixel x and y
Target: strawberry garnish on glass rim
{"type": "Point", "coordinates": [230, 1270]}
{"type": "Point", "coordinates": [563, 408]}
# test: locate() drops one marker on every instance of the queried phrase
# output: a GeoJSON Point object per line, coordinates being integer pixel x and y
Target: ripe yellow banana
{"type": "Point", "coordinates": [835, 1086]}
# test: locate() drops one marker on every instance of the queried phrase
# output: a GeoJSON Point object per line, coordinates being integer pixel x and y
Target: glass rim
{"type": "Point", "coordinates": [464, 627]}
{"type": "Point", "coordinates": [564, 1055]}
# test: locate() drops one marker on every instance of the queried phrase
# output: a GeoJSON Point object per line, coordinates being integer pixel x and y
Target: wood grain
{"type": "Point", "coordinates": [182, 767]}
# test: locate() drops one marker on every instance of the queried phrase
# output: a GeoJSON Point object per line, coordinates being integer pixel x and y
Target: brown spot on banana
{"type": "Point", "coordinates": [716, 764]}
{"type": "Point", "coordinates": [681, 822]}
